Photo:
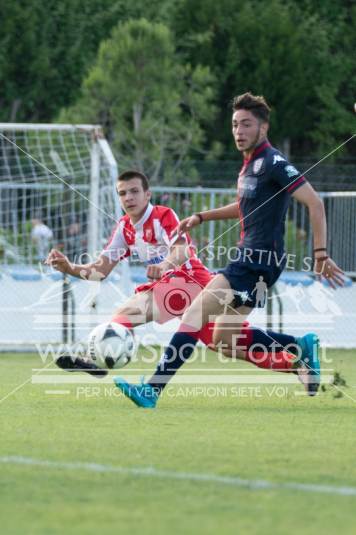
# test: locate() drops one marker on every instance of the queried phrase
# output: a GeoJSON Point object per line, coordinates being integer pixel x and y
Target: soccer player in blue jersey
{"type": "Point", "coordinates": [265, 185]}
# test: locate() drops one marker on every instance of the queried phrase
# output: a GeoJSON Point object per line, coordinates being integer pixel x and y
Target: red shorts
{"type": "Point", "coordinates": [206, 333]}
{"type": "Point", "coordinates": [175, 292]}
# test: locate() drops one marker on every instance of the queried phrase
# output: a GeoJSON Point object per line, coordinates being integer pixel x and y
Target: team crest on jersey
{"type": "Point", "coordinates": [278, 158]}
{"type": "Point", "coordinates": [257, 165]}
{"type": "Point", "coordinates": [148, 234]}
{"type": "Point", "coordinates": [291, 171]}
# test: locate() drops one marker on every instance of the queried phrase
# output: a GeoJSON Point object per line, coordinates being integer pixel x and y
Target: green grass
{"type": "Point", "coordinates": [279, 439]}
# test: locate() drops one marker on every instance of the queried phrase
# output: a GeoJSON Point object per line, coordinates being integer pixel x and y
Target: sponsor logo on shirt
{"type": "Point", "coordinates": [257, 165]}
{"type": "Point", "coordinates": [248, 187]}
{"type": "Point", "coordinates": [156, 260]}
{"type": "Point", "coordinates": [291, 171]}
{"type": "Point", "coordinates": [243, 296]}
{"type": "Point", "coordinates": [278, 158]}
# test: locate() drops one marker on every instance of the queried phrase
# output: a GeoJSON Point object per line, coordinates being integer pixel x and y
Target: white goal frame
{"type": "Point", "coordinates": [100, 153]}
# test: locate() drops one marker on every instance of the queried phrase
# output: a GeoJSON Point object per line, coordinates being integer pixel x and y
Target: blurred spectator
{"type": "Point", "coordinates": [41, 235]}
{"type": "Point", "coordinates": [204, 249]}
{"type": "Point", "coordinates": [186, 204]}
{"type": "Point", "coordinates": [73, 241]}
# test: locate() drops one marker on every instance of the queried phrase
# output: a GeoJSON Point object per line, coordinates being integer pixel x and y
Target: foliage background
{"type": "Point", "coordinates": [160, 75]}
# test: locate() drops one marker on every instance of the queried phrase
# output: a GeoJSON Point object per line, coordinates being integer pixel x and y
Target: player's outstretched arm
{"type": "Point", "coordinates": [230, 211]}
{"type": "Point", "coordinates": [324, 266]}
{"type": "Point", "coordinates": [101, 267]}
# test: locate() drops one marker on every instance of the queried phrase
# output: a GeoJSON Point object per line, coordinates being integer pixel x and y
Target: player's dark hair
{"type": "Point", "coordinates": [132, 173]}
{"type": "Point", "coordinates": [257, 105]}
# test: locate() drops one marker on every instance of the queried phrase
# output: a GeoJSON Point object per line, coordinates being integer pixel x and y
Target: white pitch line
{"type": "Point", "coordinates": [57, 392]}
{"type": "Point", "coordinates": [233, 481]}
{"type": "Point", "coordinates": [290, 379]}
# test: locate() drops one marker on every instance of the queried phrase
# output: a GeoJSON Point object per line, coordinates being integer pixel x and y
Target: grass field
{"type": "Point", "coordinates": [159, 471]}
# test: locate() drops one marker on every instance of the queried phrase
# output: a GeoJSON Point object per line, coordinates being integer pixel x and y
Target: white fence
{"type": "Point", "coordinates": [215, 236]}
{"type": "Point", "coordinates": [31, 301]}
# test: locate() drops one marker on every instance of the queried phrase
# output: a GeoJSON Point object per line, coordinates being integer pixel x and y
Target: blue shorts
{"type": "Point", "coordinates": [251, 280]}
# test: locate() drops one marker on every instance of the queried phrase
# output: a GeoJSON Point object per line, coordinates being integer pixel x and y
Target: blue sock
{"type": "Point", "coordinates": [179, 350]}
{"type": "Point", "coordinates": [270, 339]}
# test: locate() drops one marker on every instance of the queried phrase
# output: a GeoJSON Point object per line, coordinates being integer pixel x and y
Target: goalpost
{"type": "Point", "coordinates": [57, 189]}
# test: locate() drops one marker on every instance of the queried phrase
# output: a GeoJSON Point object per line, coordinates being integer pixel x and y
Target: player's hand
{"type": "Point", "coordinates": [58, 261]}
{"type": "Point", "coordinates": [187, 224]}
{"type": "Point", "coordinates": [330, 271]}
{"type": "Point", "coordinates": [155, 271]}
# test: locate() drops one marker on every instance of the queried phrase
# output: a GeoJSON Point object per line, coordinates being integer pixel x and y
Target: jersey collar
{"type": "Point", "coordinates": [144, 218]}
{"type": "Point", "coordinates": [261, 147]}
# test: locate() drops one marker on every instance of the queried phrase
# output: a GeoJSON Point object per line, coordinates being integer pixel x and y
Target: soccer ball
{"type": "Point", "coordinates": [111, 345]}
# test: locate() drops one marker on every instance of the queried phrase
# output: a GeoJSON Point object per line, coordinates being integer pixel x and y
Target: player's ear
{"type": "Point", "coordinates": [148, 194]}
{"type": "Point", "coordinates": [264, 128]}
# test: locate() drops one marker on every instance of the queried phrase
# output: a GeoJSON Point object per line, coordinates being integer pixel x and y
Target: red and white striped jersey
{"type": "Point", "coordinates": [149, 240]}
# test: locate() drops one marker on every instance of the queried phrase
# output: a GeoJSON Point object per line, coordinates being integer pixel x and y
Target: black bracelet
{"type": "Point", "coordinates": [320, 249]}
{"type": "Point", "coordinates": [200, 218]}
{"type": "Point", "coordinates": [321, 259]}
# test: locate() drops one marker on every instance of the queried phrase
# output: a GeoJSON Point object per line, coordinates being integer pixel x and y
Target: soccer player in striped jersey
{"type": "Point", "coordinates": [147, 232]}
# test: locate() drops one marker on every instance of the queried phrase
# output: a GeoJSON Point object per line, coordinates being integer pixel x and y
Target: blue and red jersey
{"type": "Point", "coordinates": [265, 184]}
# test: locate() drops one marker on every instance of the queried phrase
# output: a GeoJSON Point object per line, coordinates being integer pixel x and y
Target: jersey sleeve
{"type": "Point", "coordinates": [116, 249]}
{"type": "Point", "coordinates": [287, 176]}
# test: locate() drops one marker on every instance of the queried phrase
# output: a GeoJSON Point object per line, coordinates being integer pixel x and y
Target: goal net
{"type": "Point", "coordinates": [57, 189]}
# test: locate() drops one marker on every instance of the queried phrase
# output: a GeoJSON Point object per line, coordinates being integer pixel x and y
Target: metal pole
{"type": "Point", "coordinates": [211, 231]}
{"type": "Point", "coordinates": [93, 227]}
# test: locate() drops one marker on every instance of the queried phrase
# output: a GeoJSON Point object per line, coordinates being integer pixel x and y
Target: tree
{"type": "Point", "coordinates": [153, 107]}
{"type": "Point", "coordinates": [46, 47]}
{"type": "Point", "coordinates": [294, 56]}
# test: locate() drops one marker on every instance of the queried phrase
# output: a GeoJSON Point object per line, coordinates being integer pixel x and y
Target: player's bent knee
{"type": "Point", "coordinates": [136, 315]}
{"type": "Point", "coordinates": [218, 335]}
{"type": "Point", "coordinates": [225, 338]}
{"type": "Point", "coordinates": [127, 311]}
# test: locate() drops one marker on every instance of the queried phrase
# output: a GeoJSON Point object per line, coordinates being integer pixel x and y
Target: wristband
{"type": "Point", "coordinates": [320, 249]}
{"type": "Point", "coordinates": [200, 217]}
{"type": "Point", "coordinates": [321, 258]}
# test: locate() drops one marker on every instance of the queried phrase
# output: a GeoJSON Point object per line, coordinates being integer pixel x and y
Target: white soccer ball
{"type": "Point", "coordinates": [111, 345]}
